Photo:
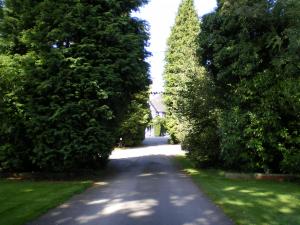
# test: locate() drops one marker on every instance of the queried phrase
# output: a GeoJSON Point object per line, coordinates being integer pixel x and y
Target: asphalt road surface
{"type": "Point", "coordinates": [144, 188]}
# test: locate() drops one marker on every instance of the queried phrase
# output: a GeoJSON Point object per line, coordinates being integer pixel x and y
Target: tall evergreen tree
{"type": "Point", "coordinates": [181, 66]}
{"type": "Point", "coordinates": [80, 63]}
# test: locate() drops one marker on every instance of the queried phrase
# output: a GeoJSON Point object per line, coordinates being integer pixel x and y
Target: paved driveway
{"type": "Point", "coordinates": [144, 188]}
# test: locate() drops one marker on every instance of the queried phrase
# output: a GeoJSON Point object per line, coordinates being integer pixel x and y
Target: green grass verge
{"type": "Point", "coordinates": [23, 201]}
{"type": "Point", "coordinates": [249, 202]}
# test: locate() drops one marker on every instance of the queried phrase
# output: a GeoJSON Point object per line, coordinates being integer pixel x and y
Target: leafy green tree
{"type": "Point", "coordinates": [251, 52]}
{"type": "Point", "coordinates": [80, 64]}
{"type": "Point", "coordinates": [132, 130]}
{"type": "Point", "coordinates": [181, 64]}
{"type": "Point", "coordinates": [159, 126]}
{"type": "Point", "coordinates": [192, 112]}
{"type": "Point", "coordinates": [14, 140]}
{"type": "Point", "coordinates": [201, 112]}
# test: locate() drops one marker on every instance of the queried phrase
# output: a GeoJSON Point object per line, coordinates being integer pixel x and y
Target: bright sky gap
{"type": "Point", "coordinates": [160, 14]}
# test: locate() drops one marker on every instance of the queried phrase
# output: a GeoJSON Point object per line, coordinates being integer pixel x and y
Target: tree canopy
{"type": "Point", "coordinates": [69, 71]}
{"type": "Point", "coordinates": [181, 65]}
{"type": "Point", "coordinates": [239, 107]}
{"type": "Point", "coordinates": [251, 51]}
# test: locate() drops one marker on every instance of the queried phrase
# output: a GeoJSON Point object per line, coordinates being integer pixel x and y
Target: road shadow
{"type": "Point", "coordinates": [155, 141]}
{"type": "Point", "coordinates": [145, 190]}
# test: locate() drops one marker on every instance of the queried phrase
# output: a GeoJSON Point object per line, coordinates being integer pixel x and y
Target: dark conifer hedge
{"type": "Point", "coordinates": [251, 51]}
{"type": "Point", "coordinates": [69, 70]}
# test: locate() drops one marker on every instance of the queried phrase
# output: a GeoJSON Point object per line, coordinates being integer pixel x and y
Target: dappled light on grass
{"type": "Point", "coordinates": [249, 202]}
{"type": "Point", "coordinates": [236, 202]}
{"type": "Point", "coordinates": [286, 210]}
{"type": "Point", "coordinates": [230, 189]}
{"type": "Point", "coordinates": [192, 171]}
{"type": "Point", "coordinates": [28, 190]}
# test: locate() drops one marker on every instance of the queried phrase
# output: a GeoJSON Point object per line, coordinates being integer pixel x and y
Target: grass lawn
{"type": "Point", "coordinates": [22, 201]}
{"type": "Point", "coordinates": [249, 201]}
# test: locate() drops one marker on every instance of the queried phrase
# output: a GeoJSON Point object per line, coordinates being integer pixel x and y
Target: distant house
{"type": "Point", "coordinates": [157, 106]}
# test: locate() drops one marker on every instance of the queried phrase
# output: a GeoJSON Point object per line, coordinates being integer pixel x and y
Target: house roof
{"type": "Point", "coordinates": [158, 104]}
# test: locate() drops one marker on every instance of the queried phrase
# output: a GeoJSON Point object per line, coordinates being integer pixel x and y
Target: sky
{"type": "Point", "coordinates": [160, 15]}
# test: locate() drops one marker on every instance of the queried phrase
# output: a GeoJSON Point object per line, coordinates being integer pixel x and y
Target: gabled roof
{"type": "Point", "coordinates": [157, 103]}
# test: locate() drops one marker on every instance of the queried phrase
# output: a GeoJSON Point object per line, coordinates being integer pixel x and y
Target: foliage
{"type": "Point", "coordinates": [70, 72]}
{"type": "Point", "coordinates": [13, 136]}
{"type": "Point", "coordinates": [181, 63]}
{"type": "Point", "coordinates": [192, 109]}
{"type": "Point", "coordinates": [249, 202]}
{"type": "Point", "coordinates": [132, 130]}
{"type": "Point", "coordinates": [159, 125]}
{"type": "Point", "coordinates": [199, 108]}
{"type": "Point", "coordinates": [251, 51]}
{"type": "Point", "coordinates": [24, 201]}
{"type": "Point", "coordinates": [202, 140]}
